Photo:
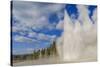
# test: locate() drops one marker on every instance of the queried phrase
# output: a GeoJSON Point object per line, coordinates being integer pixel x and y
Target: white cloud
{"type": "Point", "coordinates": [19, 38]}
{"type": "Point", "coordinates": [42, 36]}
{"type": "Point", "coordinates": [34, 37]}
{"type": "Point", "coordinates": [34, 15]}
{"type": "Point", "coordinates": [60, 14]}
{"type": "Point", "coordinates": [32, 34]}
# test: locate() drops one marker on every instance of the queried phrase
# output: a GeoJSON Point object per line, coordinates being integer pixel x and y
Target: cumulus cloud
{"type": "Point", "coordinates": [42, 36]}
{"type": "Point", "coordinates": [34, 37]}
{"type": "Point", "coordinates": [34, 15]}
{"type": "Point", "coordinates": [32, 34]}
{"type": "Point", "coordinates": [19, 38]}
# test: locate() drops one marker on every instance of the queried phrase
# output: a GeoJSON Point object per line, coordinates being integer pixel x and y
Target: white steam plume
{"type": "Point", "coordinates": [79, 41]}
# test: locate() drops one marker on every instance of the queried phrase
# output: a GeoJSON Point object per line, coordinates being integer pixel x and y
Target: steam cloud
{"type": "Point", "coordinates": [79, 40]}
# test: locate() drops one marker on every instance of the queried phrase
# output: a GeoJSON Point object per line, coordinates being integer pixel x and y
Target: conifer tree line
{"type": "Point", "coordinates": [41, 53]}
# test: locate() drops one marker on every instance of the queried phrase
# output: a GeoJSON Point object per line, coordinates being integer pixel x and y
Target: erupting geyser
{"type": "Point", "coordinates": [79, 40]}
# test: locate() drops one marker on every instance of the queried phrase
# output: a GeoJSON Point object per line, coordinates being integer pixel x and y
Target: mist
{"type": "Point", "coordinates": [79, 39]}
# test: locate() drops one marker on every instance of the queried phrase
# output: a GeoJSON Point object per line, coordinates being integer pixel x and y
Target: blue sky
{"type": "Point", "coordinates": [37, 25]}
